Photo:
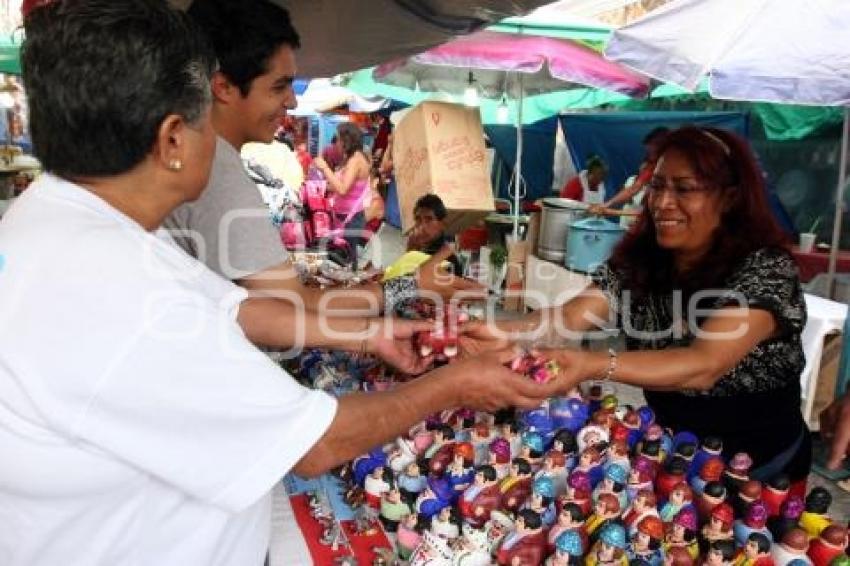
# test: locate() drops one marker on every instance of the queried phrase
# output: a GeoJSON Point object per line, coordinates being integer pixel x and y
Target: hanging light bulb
{"type": "Point", "coordinates": [503, 113]}
{"type": "Point", "coordinates": [470, 95]}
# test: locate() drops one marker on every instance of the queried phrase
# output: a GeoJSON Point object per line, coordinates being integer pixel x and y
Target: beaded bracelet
{"type": "Point", "coordinates": [612, 364]}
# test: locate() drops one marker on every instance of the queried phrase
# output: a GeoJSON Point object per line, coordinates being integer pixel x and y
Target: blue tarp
{"type": "Point", "coordinates": [616, 137]}
{"type": "Point", "coordinates": [537, 157]}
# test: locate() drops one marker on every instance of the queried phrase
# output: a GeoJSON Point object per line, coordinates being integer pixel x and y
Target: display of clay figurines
{"type": "Point", "coordinates": [543, 486]}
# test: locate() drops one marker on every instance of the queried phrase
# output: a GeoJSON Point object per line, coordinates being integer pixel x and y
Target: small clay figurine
{"type": "Point", "coordinates": [446, 524]}
{"type": "Point", "coordinates": [403, 453]}
{"type": "Point", "coordinates": [482, 435]}
{"type": "Point", "coordinates": [363, 465]}
{"type": "Point", "coordinates": [411, 482]}
{"type": "Point", "coordinates": [590, 462]}
{"type": "Point", "coordinates": [441, 451]}
{"type": "Point", "coordinates": [830, 544]}
{"type": "Point", "coordinates": [526, 543]}
{"type": "Point", "coordinates": [606, 509]}
{"type": "Point", "coordinates": [591, 435]}
{"type": "Point", "coordinates": [719, 526]}
{"type": "Point", "coordinates": [640, 478]}
{"type": "Point", "coordinates": [500, 456]}
{"type": "Point", "coordinates": [756, 552]}
{"type": "Point", "coordinates": [432, 551]}
{"type": "Point", "coordinates": [749, 492]}
{"type": "Point", "coordinates": [569, 413]}
{"type": "Point", "coordinates": [473, 548]}
{"type": "Point", "coordinates": [480, 498]}
{"type": "Point", "coordinates": [578, 491]}
{"type": "Point", "coordinates": [686, 451]}
{"type": "Point", "coordinates": [720, 553]}
{"type": "Point", "coordinates": [793, 547]}
{"type": "Point", "coordinates": [610, 549]}
{"type": "Point", "coordinates": [497, 528]}
{"type": "Point", "coordinates": [815, 516]}
{"type": "Point", "coordinates": [632, 424]}
{"type": "Point", "coordinates": [754, 521]}
{"type": "Point", "coordinates": [564, 442]}
{"type": "Point", "coordinates": [534, 366]}
{"type": "Point", "coordinates": [569, 549]}
{"type": "Point", "coordinates": [443, 340]}
{"type": "Point", "coordinates": [516, 487]}
{"type": "Point", "coordinates": [714, 493]}
{"type": "Point", "coordinates": [775, 493]}
{"type": "Point", "coordinates": [613, 482]}
{"type": "Point", "coordinates": [647, 417]}
{"type": "Point", "coordinates": [643, 505]}
{"type": "Point", "coordinates": [712, 470]}
{"type": "Point", "coordinates": [459, 472]}
{"type": "Point", "coordinates": [737, 472]}
{"type": "Point", "coordinates": [672, 474]}
{"type": "Point", "coordinates": [570, 518]}
{"type": "Point", "coordinates": [531, 449]}
{"type": "Point", "coordinates": [710, 447]}
{"type": "Point", "coordinates": [542, 500]}
{"type": "Point", "coordinates": [680, 496]}
{"type": "Point", "coordinates": [683, 532]}
{"type": "Point", "coordinates": [510, 432]}
{"type": "Point", "coordinates": [436, 495]}
{"type": "Point", "coordinates": [393, 508]}
{"type": "Point", "coordinates": [789, 517]}
{"type": "Point", "coordinates": [677, 556]}
{"type": "Point", "coordinates": [646, 542]}
{"type": "Point", "coordinates": [554, 469]}
{"type": "Point", "coordinates": [618, 453]}
{"type": "Point", "coordinates": [377, 484]}
{"type": "Point", "coordinates": [407, 535]}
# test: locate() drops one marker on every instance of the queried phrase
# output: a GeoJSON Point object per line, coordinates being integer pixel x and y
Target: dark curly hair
{"type": "Point", "coordinates": [245, 35]}
{"type": "Point", "coordinates": [722, 161]}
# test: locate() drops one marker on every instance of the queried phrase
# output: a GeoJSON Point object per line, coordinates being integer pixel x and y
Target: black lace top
{"type": "Point", "coordinates": [755, 407]}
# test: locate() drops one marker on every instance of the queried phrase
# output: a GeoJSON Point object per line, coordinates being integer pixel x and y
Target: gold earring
{"type": "Point", "coordinates": [175, 165]}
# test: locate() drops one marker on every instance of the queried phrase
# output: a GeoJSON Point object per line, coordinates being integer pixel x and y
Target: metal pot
{"type": "Point", "coordinates": [558, 214]}
{"type": "Point", "coordinates": [590, 243]}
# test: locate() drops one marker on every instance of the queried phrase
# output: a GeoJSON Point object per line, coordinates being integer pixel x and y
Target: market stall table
{"type": "Point", "coordinates": [814, 262]}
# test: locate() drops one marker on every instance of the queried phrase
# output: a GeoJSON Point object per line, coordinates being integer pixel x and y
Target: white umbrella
{"type": "Point", "coordinates": [787, 51]}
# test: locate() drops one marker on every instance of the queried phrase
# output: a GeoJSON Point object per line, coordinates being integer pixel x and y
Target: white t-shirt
{"type": "Point", "coordinates": [138, 426]}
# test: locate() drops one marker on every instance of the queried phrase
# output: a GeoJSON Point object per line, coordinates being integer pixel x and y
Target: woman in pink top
{"type": "Point", "coordinates": [350, 184]}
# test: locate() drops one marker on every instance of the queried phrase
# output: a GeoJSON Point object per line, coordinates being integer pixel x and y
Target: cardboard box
{"type": "Point", "coordinates": [438, 148]}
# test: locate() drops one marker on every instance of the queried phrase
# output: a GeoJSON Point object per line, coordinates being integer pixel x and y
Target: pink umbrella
{"type": "Point", "coordinates": [547, 65]}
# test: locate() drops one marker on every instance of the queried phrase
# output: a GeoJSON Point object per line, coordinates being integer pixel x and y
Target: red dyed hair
{"type": "Point", "coordinates": [30, 5]}
{"type": "Point", "coordinates": [722, 161]}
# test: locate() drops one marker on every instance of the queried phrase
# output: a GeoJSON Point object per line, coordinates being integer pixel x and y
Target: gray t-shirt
{"type": "Point", "coordinates": [228, 228]}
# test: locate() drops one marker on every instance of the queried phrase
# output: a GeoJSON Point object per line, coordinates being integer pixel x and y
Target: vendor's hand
{"type": "Point", "coordinates": [484, 383]}
{"type": "Point", "coordinates": [392, 340]}
{"type": "Point", "coordinates": [433, 278]}
{"type": "Point", "coordinates": [835, 428]}
{"type": "Point", "coordinates": [575, 366]}
{"type": "Point", "coordinates": [597, 209]}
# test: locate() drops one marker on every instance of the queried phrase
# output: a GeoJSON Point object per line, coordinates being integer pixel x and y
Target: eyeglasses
{"type": "Point", "coordinates": [683, 188]}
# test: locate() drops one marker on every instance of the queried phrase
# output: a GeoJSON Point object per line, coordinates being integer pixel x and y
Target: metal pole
{"type": "Point", "coordinates": [839, 205]}
{"type": "Point", "coordinates": [518, 164]}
